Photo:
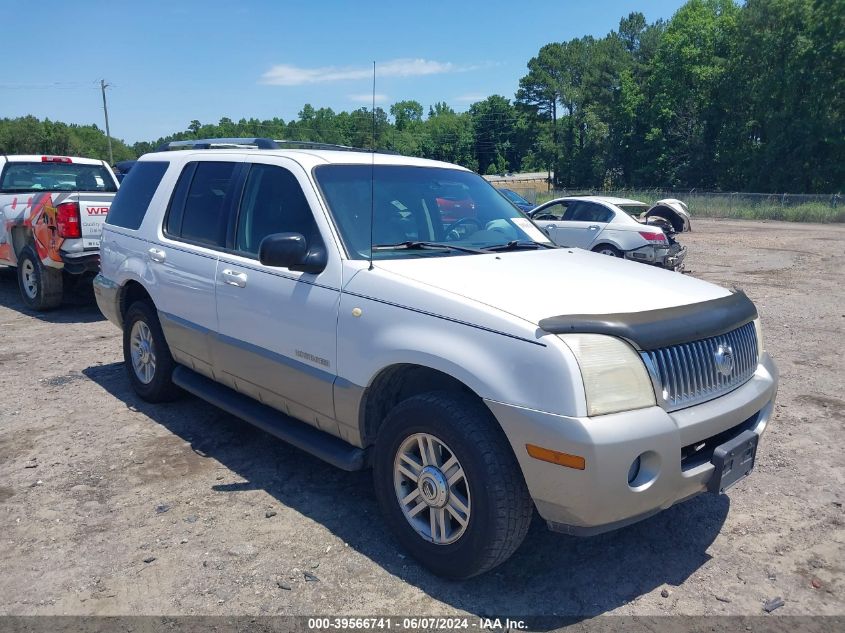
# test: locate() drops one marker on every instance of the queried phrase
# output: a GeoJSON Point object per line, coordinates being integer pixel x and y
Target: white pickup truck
{"type": "Point", "coordinates": [52, 210]}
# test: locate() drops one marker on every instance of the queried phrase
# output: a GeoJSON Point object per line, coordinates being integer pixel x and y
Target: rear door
{"type": "Point", "coordinates": [582, 223]}
{"type": "Point", "coordinates": [184, 261]}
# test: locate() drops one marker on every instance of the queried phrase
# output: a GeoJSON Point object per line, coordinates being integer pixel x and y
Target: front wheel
{"type": "Point", "coordinates": [449, 485]}
{"type": "Point", "coordinates": [41, 286]}
{"type": "Point", "coordinates": [146, 355]}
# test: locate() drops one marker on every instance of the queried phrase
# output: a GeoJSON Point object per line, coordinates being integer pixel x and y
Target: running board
{"type": "Point", "coordinates": [305, 437]}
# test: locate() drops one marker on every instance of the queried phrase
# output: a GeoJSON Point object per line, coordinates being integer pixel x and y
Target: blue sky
{"type": "Point", "coordinates": [177, 60]}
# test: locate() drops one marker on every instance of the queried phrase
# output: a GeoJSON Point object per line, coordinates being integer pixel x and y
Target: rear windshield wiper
{"type": "Point", "coordinates": [516, 245]}
{"type": "Point", "coordinates": [412, 245]}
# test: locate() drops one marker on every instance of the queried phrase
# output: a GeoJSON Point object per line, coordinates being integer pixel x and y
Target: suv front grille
{"type": "Point", "coordinates": [687, 374]}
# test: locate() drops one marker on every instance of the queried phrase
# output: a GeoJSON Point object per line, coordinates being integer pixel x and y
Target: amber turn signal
{"type": "Point", "coordinates": [555, 457]}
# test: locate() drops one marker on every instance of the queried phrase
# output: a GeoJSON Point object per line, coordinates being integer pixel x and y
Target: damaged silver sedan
{"type": "Point", "coordinates": [618, 227]}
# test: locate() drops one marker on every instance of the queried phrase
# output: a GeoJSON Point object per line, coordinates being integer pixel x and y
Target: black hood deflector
{"type": "Point", "coordinates": [653, 329]}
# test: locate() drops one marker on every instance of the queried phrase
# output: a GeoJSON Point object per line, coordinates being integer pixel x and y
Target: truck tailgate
{"type": "Point", "coordinates": [93, 208]}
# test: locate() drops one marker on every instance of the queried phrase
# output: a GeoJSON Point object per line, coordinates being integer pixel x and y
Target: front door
{"type": "Point", "coordinates": [549, 218]}
{"type": "Point", "coordinates": [277, 327]}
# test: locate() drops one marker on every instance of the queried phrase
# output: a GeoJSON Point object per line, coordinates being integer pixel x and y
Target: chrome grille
{"type": "Point", "coordinates": [687, 374]}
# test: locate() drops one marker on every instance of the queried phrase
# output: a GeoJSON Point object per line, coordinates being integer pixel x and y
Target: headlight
{"type": "Point", "coordinates": [615, 378]}
{"type": "Point", "coordinates": [758, 328]}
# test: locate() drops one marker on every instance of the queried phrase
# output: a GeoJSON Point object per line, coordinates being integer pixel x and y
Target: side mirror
{"type": "Point", "coordinates": [291, 251]}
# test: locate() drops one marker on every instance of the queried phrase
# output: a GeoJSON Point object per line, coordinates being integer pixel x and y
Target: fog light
{"type": "Point", "coordinates": [633, 471]}
{"type": "Point", "coordinates": [644, 471]}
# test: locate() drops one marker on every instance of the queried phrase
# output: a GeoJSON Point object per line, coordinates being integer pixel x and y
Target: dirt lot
{"type": "Point", "coordinates": [109, 505]}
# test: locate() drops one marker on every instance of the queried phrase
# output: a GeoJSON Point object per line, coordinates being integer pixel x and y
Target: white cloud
{"type": "Point", "coordinates": [471, 98]}
{"type": "Point", "coordinates": [289, 75]}
{"type": "Point", "coordinates": [367, 98]}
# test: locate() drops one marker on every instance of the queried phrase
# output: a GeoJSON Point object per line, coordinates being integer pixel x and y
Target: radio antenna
{"type": "Point", "coordinates": [373, 170]}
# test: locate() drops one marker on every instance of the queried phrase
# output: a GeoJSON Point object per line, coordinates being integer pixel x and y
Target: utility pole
{"type": "Point", "coordinates": [103, 86]}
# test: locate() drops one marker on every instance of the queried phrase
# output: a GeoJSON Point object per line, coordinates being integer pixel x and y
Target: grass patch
{"type": "Point", "coordinates": [739, 206]}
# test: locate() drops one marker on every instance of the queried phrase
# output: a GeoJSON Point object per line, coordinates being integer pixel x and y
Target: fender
{"type": "Point", "coordinates": [498, 356]}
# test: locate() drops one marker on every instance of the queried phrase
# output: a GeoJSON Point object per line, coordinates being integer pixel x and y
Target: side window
{"type": "Point", "coordinates": [598, 213]}
{"type": "Point", "coordinates": [134, 196]}
{"type": "Point", "coordinates": [573, 211]}
{"type": "Point", "coordinates": [198, 208]}
{"type": "Point", "coordinates": [272, 202]}
{"type": "Point", "coordinates": [582, 211]}
{"type": "Point", "coordinates": [552, 212]}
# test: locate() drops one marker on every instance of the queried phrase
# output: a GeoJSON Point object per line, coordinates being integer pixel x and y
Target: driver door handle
{"type": "Point", "coordinates": [234, 278]}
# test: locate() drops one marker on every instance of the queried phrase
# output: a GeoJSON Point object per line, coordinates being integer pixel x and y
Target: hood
{"type": "Point", "coordinates": [535, 285]}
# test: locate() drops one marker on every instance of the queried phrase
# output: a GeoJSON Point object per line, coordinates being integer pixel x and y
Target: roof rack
{"type": "Point", "coordinates": [329, 146]}
{"type": "Point", "coordinates": [259, 143]}
{"type": "Point", "coordinates": [219, 143]}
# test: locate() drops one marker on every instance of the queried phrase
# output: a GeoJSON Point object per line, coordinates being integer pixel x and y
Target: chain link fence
{"type": "Point", "coordinates": [794, 207]}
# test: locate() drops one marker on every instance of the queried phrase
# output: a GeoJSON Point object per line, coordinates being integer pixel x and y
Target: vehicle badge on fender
{"type": "Point", "coordinates": [724, 359]}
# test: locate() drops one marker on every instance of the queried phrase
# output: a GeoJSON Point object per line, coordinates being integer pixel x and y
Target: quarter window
{"type": "Point", "coordinates": [272, 202]}
{"type": "Point", "coordinates": [138, 188]}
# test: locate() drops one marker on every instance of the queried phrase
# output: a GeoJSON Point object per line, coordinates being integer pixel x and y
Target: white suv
{"type": "Point", "coordinates": [479, 370]}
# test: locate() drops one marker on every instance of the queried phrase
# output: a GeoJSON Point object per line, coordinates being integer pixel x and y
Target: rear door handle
{"type": "Point", "coordinates": [594, 227]}
{"type": "Point", "coordinates": [234, 278]}
{"type": "Point", "coordinates": [157, 255]}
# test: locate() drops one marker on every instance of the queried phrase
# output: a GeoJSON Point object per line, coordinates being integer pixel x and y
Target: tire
{"type": "Point", "coordinates": [40, 285]}
{"type": "Point", "coordinates": [151, 376]}
{"type": "Point", "coordinates": [607, 249]}
{"type": "Point", "coordinates": [492, 488]}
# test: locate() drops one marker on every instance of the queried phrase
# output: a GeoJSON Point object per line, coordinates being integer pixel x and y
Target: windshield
{"type": "Point", "coordinates": [454, 208]}
{"type": "Point", "coordinates": [32, 177]}
{"type": "Point", "coordinates": [633, 210]}
{"type": "Point", "coordinates": [514, 196]}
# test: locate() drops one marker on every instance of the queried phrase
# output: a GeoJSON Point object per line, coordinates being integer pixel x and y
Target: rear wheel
{"type": "Point", "coordinates": [449, 485]}
{"type": "Point", "coordinates": [607, 249]}
{"type": "Point", "coordinates": [40, 285]}
{"type": "Point", "coordinates": [146, 355]}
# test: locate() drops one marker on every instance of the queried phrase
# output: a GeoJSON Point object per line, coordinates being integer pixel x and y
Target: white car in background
{"type": "Point", "coordinates": [618, 227]}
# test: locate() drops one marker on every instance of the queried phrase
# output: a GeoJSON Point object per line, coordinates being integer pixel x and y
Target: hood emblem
{"type": "Point", "coordinates": [724, 359]}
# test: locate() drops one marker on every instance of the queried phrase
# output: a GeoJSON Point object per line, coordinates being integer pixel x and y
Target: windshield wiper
{"type": "Point", "coordinates": [516, 245]}
{"type": "Point", "coordinates": [412, 245]}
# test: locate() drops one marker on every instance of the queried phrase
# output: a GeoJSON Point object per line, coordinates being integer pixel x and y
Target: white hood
{"type": "Point", "coordinates": [534, 285]}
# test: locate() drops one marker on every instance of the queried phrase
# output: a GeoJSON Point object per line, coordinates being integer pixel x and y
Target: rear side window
{"type": "Point", "coordinates": [581, 211]}
{"type": "Point", "coordinates": [199, 206]}
{"type": "Point", "coordinates": [137, 190]}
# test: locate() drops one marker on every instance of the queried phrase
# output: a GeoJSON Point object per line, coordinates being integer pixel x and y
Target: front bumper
{"type": "Point", "coordinates": [671, 257]}
{"type": "Point", "coordinates": [107, 294]}
{"type": "Point", "coordinates": [599, 498]}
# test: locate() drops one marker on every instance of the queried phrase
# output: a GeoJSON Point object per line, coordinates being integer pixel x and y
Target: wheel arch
{"type": "Point", "coordinates": [606, 242]}
{"type": "Point", "coordinates": [129, 293]}
{"type": "Point", "coordinates": [398, 382]}
{"type": "Point", "coordinates": [21, 238]}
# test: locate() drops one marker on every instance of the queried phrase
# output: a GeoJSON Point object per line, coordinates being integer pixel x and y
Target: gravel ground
{"type": "Point", "coordinates": [109, 505]}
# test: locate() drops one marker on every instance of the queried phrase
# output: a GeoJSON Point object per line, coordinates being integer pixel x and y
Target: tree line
{"type": "Point", "coordinates": [721, 96]}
